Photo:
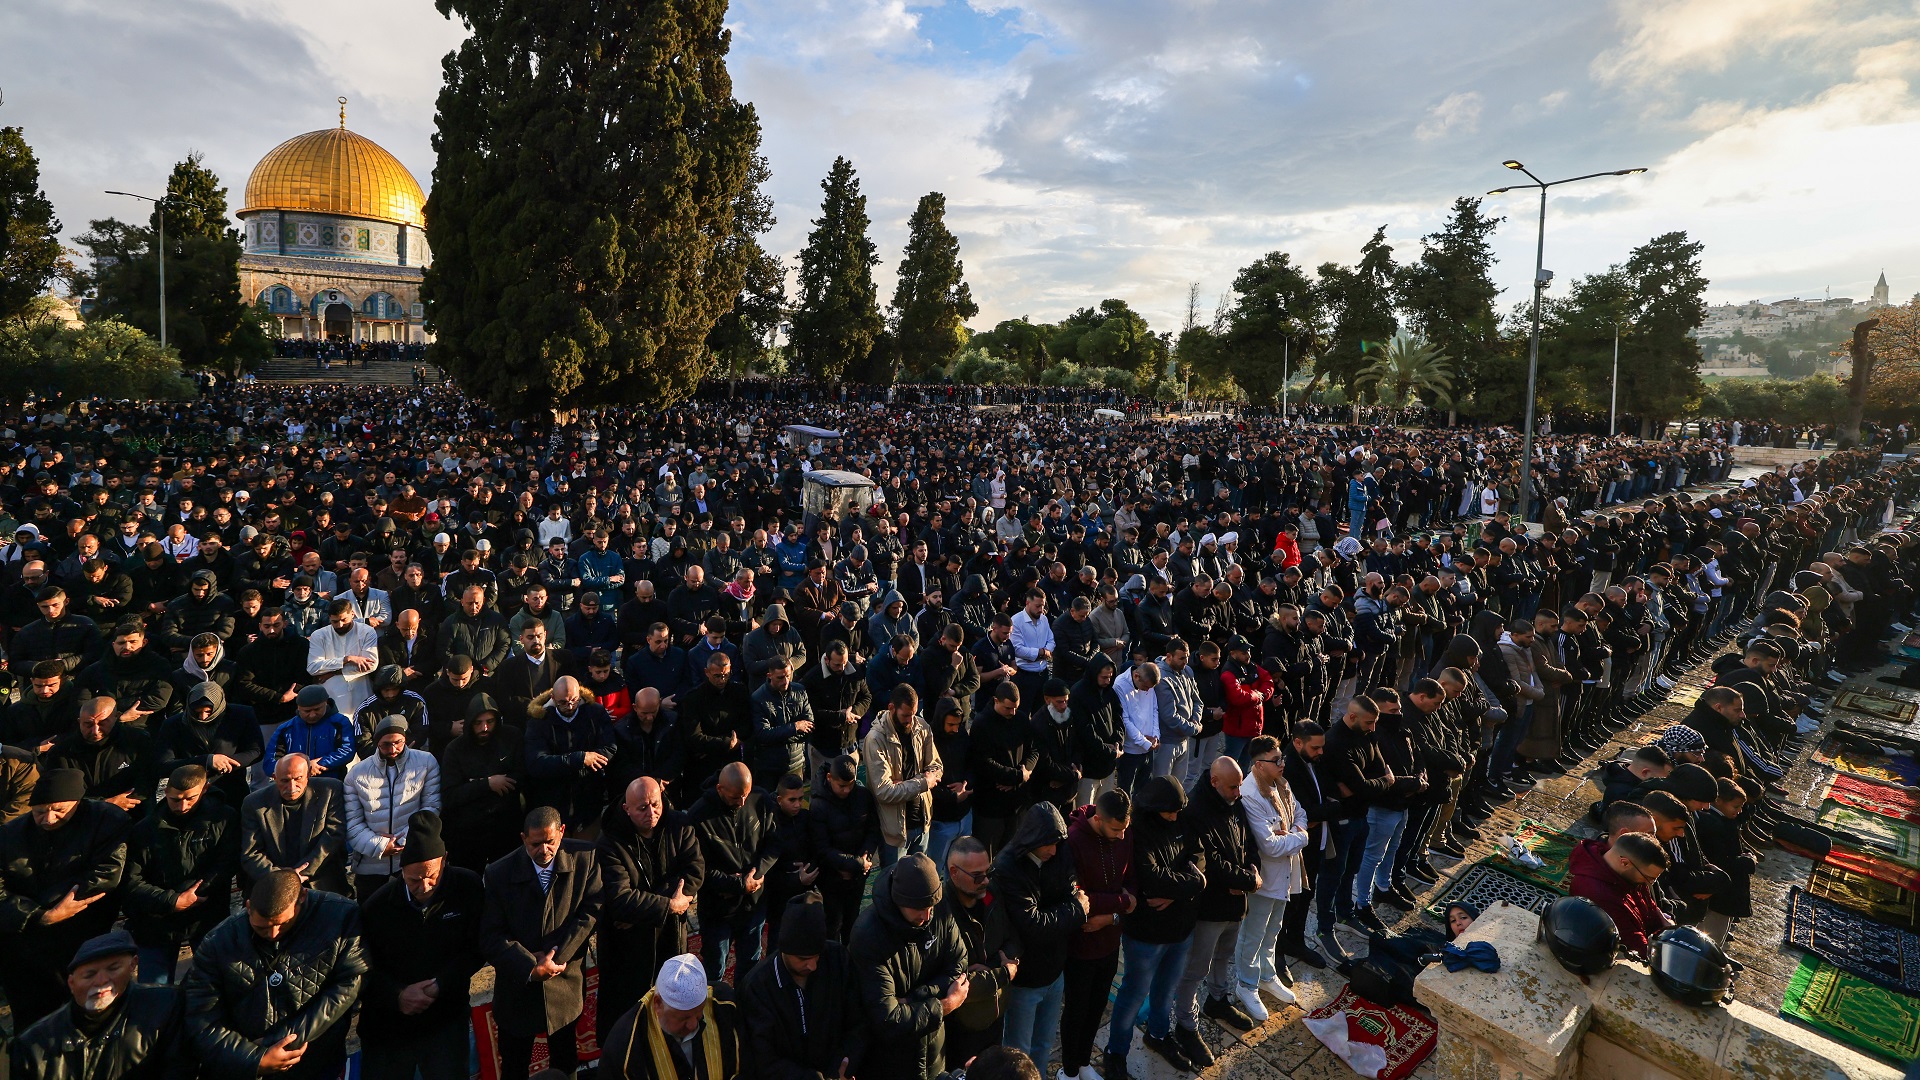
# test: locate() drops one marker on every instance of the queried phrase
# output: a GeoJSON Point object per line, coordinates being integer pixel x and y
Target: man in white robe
{"type": "Point", "coordinates": [343, 653]}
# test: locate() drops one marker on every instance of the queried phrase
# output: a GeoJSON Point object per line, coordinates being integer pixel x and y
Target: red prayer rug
{"type": "Point", "coordinates": [1407, 1036]}
{"type": "Point", "coordinates": [1875, 797]}
{"type": "Point", "coordinates": [1875, 868]}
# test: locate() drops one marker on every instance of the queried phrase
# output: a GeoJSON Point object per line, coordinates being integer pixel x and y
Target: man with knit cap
{"type": "Point", "coordinates": [60, 866]}
{"type": "Point", "coordinates": [422, 941]}
{"type": "Point", "coordinates": [112, 1028]}
{"type": "Point", "coordinates": [682, 1029]}
{"type": "Point", "coordinates": [910, 963]}
{"type": "Point", "coordinates": [384, 790]}
{"type": "Point", "coordinates": [803, 1010]}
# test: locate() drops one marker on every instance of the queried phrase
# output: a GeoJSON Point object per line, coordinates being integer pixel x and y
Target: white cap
{"type": "Point", "coordinates": [682, 984]}
{"type": "Point", "coordinates": [483, 544]}
{"type": "Point", "coordinates": [442, 538]}
{"type": "Point", "coordinates": [1209, 539]}
{"type": "Point", "coordinates": [1229, 538]}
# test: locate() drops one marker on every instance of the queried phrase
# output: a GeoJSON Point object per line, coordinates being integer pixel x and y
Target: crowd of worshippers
{"type": "Point", "coordinates": [331, 773]}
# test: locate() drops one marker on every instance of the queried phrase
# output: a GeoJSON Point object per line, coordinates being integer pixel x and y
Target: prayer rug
{"type": "Point", "coordinates": [1861, 758]}
{"type": "Point", "coordinates": [1898, 712]}
{"type": "Point", "coordinates": [1850, 941]}
{"type": "Point", "coordinates": [1854, 1011]}
{"type": "Point", "coordinates": [1407, 1035]}
{"type": "Point", "coordinates": [1875, 797]}
{"type": "Point", "coordinates": [1484, 884]}
{"type": "Point", "coordinates": [1892, 904]}
{"type": "Point", "coordinates": [1552, 847]}
{"type": "Point", "coordinates": [1871, 834]}
{"type": "Point", "coordinates": [487, 1037]}
{"type": "Point", "coordinates": [1878, 869]}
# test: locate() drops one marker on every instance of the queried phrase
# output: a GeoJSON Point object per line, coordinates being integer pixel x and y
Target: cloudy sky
{"type": "Point", "coordinates": [1126, 148]}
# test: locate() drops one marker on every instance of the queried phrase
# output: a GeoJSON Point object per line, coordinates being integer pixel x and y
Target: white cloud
{"type": "Point", "coordinates": [1458, 114]}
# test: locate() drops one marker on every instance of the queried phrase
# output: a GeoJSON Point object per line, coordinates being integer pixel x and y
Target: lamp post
{"type": "Point", "coordinates": [1541, 276]}
{"type": "Point", "coordinates": [160, 215]}
{"type": "Point", "coordinates": [1613, 403]}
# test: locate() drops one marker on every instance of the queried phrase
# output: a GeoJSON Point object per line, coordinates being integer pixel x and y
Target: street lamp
{"type": "Point", "coordinates": [1541, 277]}
{"type": "Point", "coordinates": [159, 214]}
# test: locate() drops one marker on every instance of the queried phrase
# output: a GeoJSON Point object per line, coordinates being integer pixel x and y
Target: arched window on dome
{"type": "Point", "coordinates": [382, 305]}
{"type": "Point", "coordinates": [280, 300]}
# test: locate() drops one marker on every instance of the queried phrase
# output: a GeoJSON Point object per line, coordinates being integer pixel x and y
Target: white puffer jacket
{"type": "Point", "coordinates": [380, 799]}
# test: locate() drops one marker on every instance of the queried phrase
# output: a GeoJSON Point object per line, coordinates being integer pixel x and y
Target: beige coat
{"type": "Point", "coordinates": [884, 756]}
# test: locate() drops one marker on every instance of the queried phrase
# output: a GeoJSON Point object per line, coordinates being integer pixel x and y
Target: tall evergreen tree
{"type": "Point", "coordinates": [837, 321]}
{"type": "Point", "coordinates": [931, 301]}
{"type": "Point", "coordinates": [30, 252]}
{"type": "Point", "coordinates": [742, 336]}
{"type": "Point", "coordinates": [1276, 321]}
{"type": "Point", "coordinates": [210, 324]}
{"type": "Point", "coordinates": [1360, 302]}
{"type": "Point", "coordinates": [592, 192]}
{"type": "Point", "coordinates": [1660, 362]}
{"type": "Point", "coordinates": [1448, 294]}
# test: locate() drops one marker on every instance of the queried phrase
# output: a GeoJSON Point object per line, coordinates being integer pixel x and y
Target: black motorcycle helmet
{"type": "Point", "coordinates": [1688, 966]}
{"type": "Point", "coordinates": [1579, 935]}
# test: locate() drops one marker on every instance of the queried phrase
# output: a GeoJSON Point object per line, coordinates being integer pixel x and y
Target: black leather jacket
{"type": "Point", "coordinates": [143, 1041]}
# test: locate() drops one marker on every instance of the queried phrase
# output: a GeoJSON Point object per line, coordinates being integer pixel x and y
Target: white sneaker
{"type": "Point", "coordinates": [1275, 990]}
{"type": "Point", "coordinates": [1086, 1073]}
{"type": "Point", "coordinates": [1250, 1001]}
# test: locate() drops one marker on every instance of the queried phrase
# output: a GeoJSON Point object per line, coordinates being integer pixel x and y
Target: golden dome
{"type": "Point", "coordinates": [334, 171]}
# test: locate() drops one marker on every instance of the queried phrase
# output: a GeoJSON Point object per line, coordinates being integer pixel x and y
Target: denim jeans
{"type": "Point", "coordinates": [1337, 872]}
{"type": "Point", "coordinates": [1235, 747]}
{"type": "Point", "coordinates": [916, 844]}
{"type": "Point", "coordinates": [1209, 969]}
{"type": "Point", "coordinates": [1376, 866]}
{"type": "Point", "coordinates": [1131, 769]}
{"type": "Point", "coordinates": [158, 963]}
{"type": "Point", "coordinates": [1152, 973]}
{"type": "Point", "coordinates": [739, 936]}
{"type": "Point", "coordinates": [942, 836]}
{"type": "Point", "coordinates": [1507, 741]}
{"type": "Point", "coordinates": [1253, 956]}
{"type": "Point", "coordinates": [1033, 1017]}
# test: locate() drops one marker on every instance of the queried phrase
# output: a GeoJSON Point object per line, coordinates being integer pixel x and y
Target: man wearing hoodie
{"type": "Point", "coordinates": [223, 739]}
{"type": "Point", "coordinates": [1616, 875]}
{"type": "Point", "coordinates": [1103, 867]}
{"type": "Point", "coordinates": [1033, 878]}
{"type": "Point", "coordinates": [483, 774]}
{"type": "Point", "coordinates": [1170, 872]}
{"type": "Point", "coordinates": [891, 619]}
{"type": "Point", "coordinates": [774, 639]}
{"type": "Point", "coordinates": [1177, 696]}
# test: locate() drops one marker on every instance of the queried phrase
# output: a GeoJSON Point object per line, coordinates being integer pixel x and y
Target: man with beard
{"type": "Point", "coordinates": [542, 903]}
{"type": "Point", "coordinates": [734, 831]}
{"type": "Point", "coordinates": [269, 672]}
{"type": "Point", "coordinates": [342, 654]}
{"type": "Point", "coordinates": [651, 869]}
{"type": "Point", "coordinates": [803, 1011]}
{"type": "Point", "coordinates": [384, 791]}
{"type": "Point", "coordinates": [447, 699]}
{"type": "Point", "coordinates": [112, 1028]}
{"type": "Point", "coordinates": [569, 746]}
{"type": "Point", "coordinates": [843, 826]}
{"type": "Point", "coordinates": [295, 824]}
{"type": "Point", "coordinates": [903, 768]}
{"type": "Point", "coordinates": [992, 951]}
{"type": "Point", "coordinates": [58, 634]}
{"type": "Point", "coordinates": [476, 631]}
{"type": "Point", "coordinates": [683, 1029]}
{"type": "Point", "coordinates": [839, 695]}
{"type": "Point", "coordinates": [120, 763]}
{"type": "Point", "coordinates": [909, 961]}
{"type": "Point", "coordinates": [59, 867]}
{"type": "Point", "coordinates": [481, 777]}
{"type": "Point", "coordinates": [1057, 749]}
{"type": "Point", "coordinates": [272, 989]}
{"type": "Point", "coordinates": [222, 739]}
{"type": "Point", "coordinates": [1033, 880]}
{"type": "Point", "coordinates": [181, 862]}
{"type": "Point", "coordinates": [49, 709]}
{"type": "Point", "coordinates": [422, 942]}
{"type": "Point", "coordinates": [136, 677]}
{"type": "Point", "coordinates": [714, 717]}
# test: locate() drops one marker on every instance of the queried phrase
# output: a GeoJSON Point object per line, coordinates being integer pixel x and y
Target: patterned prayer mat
{"type": "Point", "coordinates": [1899, 712]}
{"type": "Point", "coordinates": [1551, 846]}
{"type": "Point", "coordinates": [1881, 870]}
{"type": "Point", "coordinates": [1854, 943]}
{"type": "Point", "coordinates": [1864, 760]}
{"type": "Point", "coordinates": [1876, 899]}
{"type": "Point", "coordinates": [1407, 1035]}
{"type": "Point", "coordinates": [1876, 798]}
{"type": "Point", "coordinates": [1871, 834]}
{"type": "Point", "coordinates": [1854, 1011]}
{"type": "Point", "coordinates": [1485, 883]}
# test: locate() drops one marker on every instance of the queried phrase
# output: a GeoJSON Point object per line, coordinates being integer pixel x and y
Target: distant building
{"type": "Point", "coordinates": [334, 235]}
{"type": "Point", "coordinates": [1880, 291]}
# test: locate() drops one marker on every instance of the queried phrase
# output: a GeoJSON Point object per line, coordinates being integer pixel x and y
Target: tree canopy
{"type": "Point", "coordinates": [931, 303]}
{"type": "Point", "coordinates": [837, 322]}
{"type": "Point", "coordinates": [594, 200]}
{"type": "Point", "coordinates": [30, 252]}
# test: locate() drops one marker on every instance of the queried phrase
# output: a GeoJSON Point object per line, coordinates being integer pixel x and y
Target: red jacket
{"type": "Point", "coordinates": [1632, 907]}
{"type": "Point", "coordinates": [1246, 715]}
{"type": "Point", "coordinates": [1104, 869]}
{"type": "Point", "coordinates": [1286, 552]}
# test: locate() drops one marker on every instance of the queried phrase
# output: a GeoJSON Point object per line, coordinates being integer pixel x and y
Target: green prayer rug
{"type": "Point", "coordinates": [1894, 841]}
{"type": "Point", "coordinates": [1854, 1011]}
{"type": "Point", "coordinates": [1552, 847]}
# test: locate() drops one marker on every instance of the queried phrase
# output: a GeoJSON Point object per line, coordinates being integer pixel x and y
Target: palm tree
{"type": "Point", "coordinates": [1406, 365]}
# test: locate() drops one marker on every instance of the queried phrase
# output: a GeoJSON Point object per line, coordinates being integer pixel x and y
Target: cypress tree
{"type": "Point", "coordinates": [593, 200]}
{"type": "Point", "coordinates": [837, 322]}
{"type": "Point", "coordinates": [932, 300]}
{"type": "Point", "coordinates": [30, 253]}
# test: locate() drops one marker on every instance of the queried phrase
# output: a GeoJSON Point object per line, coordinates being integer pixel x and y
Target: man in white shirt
{"type": "Point", "coordinates": [1032, 649]}
{"type": "Point", "coordinates": [343, 653]}
{"type": "Point", "coordinates": [1140, 716]}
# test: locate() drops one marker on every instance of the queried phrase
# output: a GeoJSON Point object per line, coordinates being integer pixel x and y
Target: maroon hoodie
{"type": "Point", "coordinates": [1631, 906]}
{"type": "Point", "coordinates": [1105, 869]}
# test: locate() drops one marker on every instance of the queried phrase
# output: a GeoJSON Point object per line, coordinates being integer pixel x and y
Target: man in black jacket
{"type": "Point", "coordinates": [272, 989]}
{"type": "Point", "coordinates": [840, 696]}
{"type": "Point", "coordinates": [909, 963]}
{"type": "Point", "coordinates": [135, 676]}
{"type": "Point", "coordinates": [715, 718]}
{"type": "Point", "coordinates": [843, 827]}
{"type": "Point", "coordinates": [422, 942]}
{"type": "Point", "coordinates": [541, 906]}
{"type": "Point", "coordinates": [1033, 880]}
{"type": "Point", "coordinates": [57, 635]}
{"type": "Point", "coordinates": [1002, 762]}
{"type": "Point", "coordinates": [220, 737]}
{"type": "Point", "coordinates": [734, 826]}
{"type": "Point", "coordinates": [481, 777]}
{"type": "Point", "coordinates": [650, 870]}
{"type": "Point", "coordinates": [269, 673]}
{"type": "Point", "coordinates": [181, 862]}
{"type": "Point", "coordinates": [803, 1013]}
{"type": "Point", "coordinates": [1217, 825]}
{"type": "Point", "coordinates": [112, 1028]}
{"type": "Point", "coordinates": [1317, 796]}
{"type": "Point", "coordinates": [60, 867]}
{"type": "Point", "coordinates": [1360, 776]}
{"type": "Point", "coordinates": [120, 762]}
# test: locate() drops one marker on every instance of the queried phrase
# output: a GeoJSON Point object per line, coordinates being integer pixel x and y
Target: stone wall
{"type": "Point", "coordinates": [1534, 1020]}
{"type": "Point", "coordinates": [1767, 457]}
